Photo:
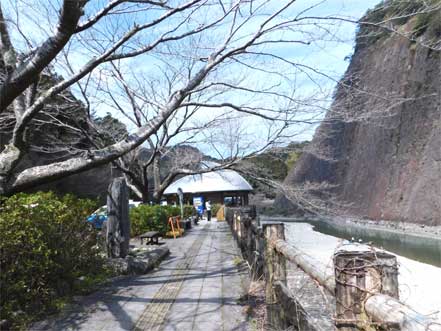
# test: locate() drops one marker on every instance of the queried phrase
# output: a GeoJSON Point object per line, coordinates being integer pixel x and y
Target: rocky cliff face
{"type": "Point", "coordinates": [50, 142]}
{"type": "Point", "coordinates": [381, 144]}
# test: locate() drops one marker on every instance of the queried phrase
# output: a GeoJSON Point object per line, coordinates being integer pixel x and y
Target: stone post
{"type": "Point", "coordinates": [118, 222]}
{"type": "Point", "coordinates": [360, 272]}
{"type": "Point", "coordinates": [275, 270]}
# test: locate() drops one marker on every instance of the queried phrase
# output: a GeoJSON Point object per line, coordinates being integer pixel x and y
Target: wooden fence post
{"type": "Point", "coordinates": [118, 222]}
{"type": "Point", "coordinates": [260, 251]}
{"type": "Point", "coordinates": [249, 241]}
{"type": "Point", "coordinates": [239, 227]}
{"type": "Point", "coordinates": [235, 224]}
{"type": "Point", "coordinates": [228, 217]}
{"type": "Point", "coordinates": [275, 270]}
{"type": "Point", "coordinates": [360, 272]}
{"type": "Point", "coordinates": [243, 232]}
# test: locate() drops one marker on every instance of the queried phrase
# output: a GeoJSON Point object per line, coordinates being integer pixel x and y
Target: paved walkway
{"type": "Point", "coordinates": [196, 288]}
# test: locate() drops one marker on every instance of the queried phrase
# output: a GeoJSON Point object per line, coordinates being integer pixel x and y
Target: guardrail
{"type": "Point", "coordinates": [364, 280]}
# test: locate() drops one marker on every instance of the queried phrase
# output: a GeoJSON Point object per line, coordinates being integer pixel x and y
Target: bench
{"type": "Point", "coordinates": [152, 236]}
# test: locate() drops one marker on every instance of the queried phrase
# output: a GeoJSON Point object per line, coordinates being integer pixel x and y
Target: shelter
{"type": "Point", "coordinates": [222, 186]}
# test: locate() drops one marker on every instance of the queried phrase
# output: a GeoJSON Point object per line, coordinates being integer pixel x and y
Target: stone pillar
{"type": "Point", "coordinates": [360, 272]}
{"type": "Point", "coordinates": [118, 222]}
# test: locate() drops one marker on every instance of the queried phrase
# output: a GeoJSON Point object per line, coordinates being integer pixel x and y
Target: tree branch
{"type": "Point", "coordinates": [21, 77]}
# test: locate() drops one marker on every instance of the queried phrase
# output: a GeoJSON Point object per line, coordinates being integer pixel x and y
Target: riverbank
{"type": "Point", "coordinates": [420, 230]}
{"type": "Point", "coordinates": [412, 229]}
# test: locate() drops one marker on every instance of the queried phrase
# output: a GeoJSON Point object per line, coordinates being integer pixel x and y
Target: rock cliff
{"type": "Point", "coordinates": [380, 144]}
{"type": "Point", "coordinates": [51, 142]}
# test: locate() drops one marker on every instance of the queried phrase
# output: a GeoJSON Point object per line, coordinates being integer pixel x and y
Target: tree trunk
{"type": "Point", "coordinates": [10, 157]}
{"type": "Point", "coordinates": [145, 182]}
{"type": "Point", "coordinates": [118, 223]}
{"type": "Point", "coordinates": [145, 196]}
{"type": "Point", "coordinates": [157, 194]}
{"type": "Point", "coordinates": [156, 178]}
{"type": "Point", "coordinates": [18, 81]}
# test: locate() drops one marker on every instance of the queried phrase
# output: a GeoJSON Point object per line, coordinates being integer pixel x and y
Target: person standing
{"type": "Point", "coordinates": [208, 207]}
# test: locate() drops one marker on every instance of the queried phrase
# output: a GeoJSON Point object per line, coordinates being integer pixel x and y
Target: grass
{"type": "Point", "coordinates": [237, 261]}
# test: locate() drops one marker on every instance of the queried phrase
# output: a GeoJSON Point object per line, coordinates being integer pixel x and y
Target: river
{"type": "Point", "coordinates": [419, 263]}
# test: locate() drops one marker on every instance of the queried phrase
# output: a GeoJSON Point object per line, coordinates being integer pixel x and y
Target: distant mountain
{"type": "Point", "coordinates": [271, 165]}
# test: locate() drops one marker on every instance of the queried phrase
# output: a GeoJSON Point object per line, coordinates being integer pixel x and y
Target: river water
{"type": "Point", "coordinates": [419, 260]}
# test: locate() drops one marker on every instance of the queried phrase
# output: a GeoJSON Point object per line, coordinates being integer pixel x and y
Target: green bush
{"type": "Point", "coordinates": [46, 246]}
{"type": "Point", "coordinates": [172, 210]}
{"type": "Point", "coordinates": [188, 211]}
{"type": "Point", "coordinates": [154, 218]}
{"type": "Point", "coordinates": [430, 22]}
{"type": "Point", "coordinates": [215, 208]}
{"type": "Point", "coordinates": [176, 210]}
{"type": "Point", "coordinates": [148, 218]}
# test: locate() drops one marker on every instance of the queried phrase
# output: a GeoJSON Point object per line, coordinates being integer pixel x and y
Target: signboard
{"type": "Point", "coordinates": [198, 202]}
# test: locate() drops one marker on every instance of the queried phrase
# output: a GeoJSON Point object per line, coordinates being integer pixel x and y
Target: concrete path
{"type": "Point", "coordinates": [197, 287]}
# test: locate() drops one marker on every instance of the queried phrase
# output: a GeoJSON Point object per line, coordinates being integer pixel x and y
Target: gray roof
{"type": "Point", "coordinates": [215, 181]}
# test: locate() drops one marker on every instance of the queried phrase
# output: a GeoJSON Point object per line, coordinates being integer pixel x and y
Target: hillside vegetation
{"type": "Point", "coordinates": [272, 166]}
{"type": "Point", "coordinates": [413, 18]}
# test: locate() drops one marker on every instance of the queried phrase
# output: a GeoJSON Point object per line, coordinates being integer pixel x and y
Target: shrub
{"type": "Point", "coordinates": [172, 210]}
{"type": "Point", "coordinates": [429, 22]}
{"type": "Point", "coordinates": [176, 210]}
{"type": "Point", "coordinates": [154, 218]}
{"type": "Point", "coordinates": [399, 12]}
{"type": "Point", "coordinates": [188, 210]}
{"type": "Point", "coordinates": [148, 218]}
{"type": "Point", "coordinates": [46, 246]}
{"type": "Point", "coordinates": [215, 208]}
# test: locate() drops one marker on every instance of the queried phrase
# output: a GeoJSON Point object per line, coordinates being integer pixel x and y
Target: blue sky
{"type": "Point", "coordinates": [331, 57]}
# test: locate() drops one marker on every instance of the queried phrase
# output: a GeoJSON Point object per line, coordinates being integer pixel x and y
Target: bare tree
{"type": "Point", "coordinates": [167, 154]}
{"type": "Point", "coordinates": [201, 121]}
{"type": "Point", "coordinates": [173, 151]}
{"type": "Point", "coordinates": [235, 51]}
{"type": "Point", "coordinates": [118, 31]}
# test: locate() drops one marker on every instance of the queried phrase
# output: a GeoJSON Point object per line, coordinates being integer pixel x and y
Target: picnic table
{"type": "Point", "coordinates": [152, 236]}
